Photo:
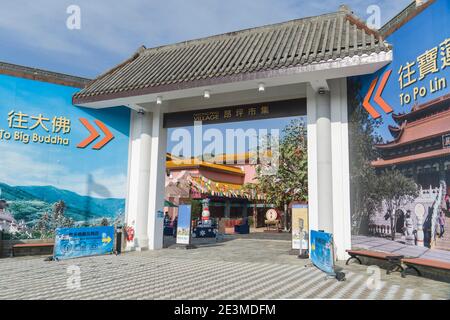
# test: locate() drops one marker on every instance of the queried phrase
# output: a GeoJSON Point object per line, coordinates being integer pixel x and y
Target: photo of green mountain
{"type": "Point", "coordinates": [28, 203]}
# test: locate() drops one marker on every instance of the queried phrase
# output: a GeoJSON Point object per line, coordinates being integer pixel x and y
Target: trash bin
{"type": "Point", "coordinates": [119, 236]}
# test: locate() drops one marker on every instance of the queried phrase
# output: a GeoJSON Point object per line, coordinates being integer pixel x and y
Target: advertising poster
{"type": "Point", "coordinates": [81, 242]}
{"type": "Point", "coordinates": [300, 212]}
{"type": "Point", "coordinates": [184, 224]}
{"type": "Point", "coordinates": [399, 126]}
{"type": "Point", "coordinates": [62, 165]}
{"type": "Point", "coordinates": [322, 255]}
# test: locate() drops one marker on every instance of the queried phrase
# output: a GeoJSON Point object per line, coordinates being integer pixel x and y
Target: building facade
{"type": "Point", "coordinates": [306, 60]}
{"type": "Point", "coordinates": [343, 76]}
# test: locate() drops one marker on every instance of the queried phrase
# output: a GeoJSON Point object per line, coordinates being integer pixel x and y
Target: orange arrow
{"type": "Point", "coordinates": [94, 134]}
{"type": "Point", "coordinates": [108, 136]}
{"type": "Point", "coordinates": [378, 99]}
{"type": "Point", "coordinates": [366, 102]}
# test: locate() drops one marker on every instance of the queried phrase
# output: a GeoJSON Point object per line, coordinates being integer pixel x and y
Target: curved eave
{"type": "Point", "coordinates": [393, 143]}
{"type": "Point", "coordinates": [399, 118]}
{"type": "Point", "coordinates": [204, 165]}
{"type": "Point", "coordinates": [395, 131]}
{"type": "Point", "coordinates": [381, 163]}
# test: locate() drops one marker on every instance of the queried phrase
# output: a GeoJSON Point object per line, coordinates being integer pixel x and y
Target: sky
{"type": "Point", "coordinates": [34, 33]}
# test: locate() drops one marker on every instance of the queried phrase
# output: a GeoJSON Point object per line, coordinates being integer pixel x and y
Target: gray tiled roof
{"type": "Point", "coordinates": [268, 48]}
{"type": "Point", "coordinates": [42, 75]}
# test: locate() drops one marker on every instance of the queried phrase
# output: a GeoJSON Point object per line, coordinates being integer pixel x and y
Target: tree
{"type": "Point", "coordinates": [49, 221]}
{"type": "Point", "coordinates": [252, 190]}
{"type": "Point", "coordinates": [363, 179]}
{"type": "Point", "coordinates": [394, 189]}
{"type": "Point", "coordinates": [196, 209]}
{"type": "Point", "coordinates": [289, 181]}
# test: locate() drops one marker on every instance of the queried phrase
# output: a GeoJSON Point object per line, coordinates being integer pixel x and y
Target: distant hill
{"type": "Point", "coordinates": [12, 193]}
{"type": "Point", "coordinates": [79, 208]}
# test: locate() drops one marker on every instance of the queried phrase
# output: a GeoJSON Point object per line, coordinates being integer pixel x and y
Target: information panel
{"type": "Point", "coordinates": [184, 224]}
{"type": "Point", "coordinates": [81, 242]}
{"type": "Point", "coordinates": [299, 213]}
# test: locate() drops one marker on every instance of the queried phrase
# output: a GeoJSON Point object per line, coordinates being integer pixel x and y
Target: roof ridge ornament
{"type": "Point", "coordinates": [345, 8]}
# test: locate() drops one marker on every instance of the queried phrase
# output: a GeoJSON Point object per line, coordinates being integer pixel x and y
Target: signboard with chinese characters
{"type": "Point", "coordinates": [277, 109]}
{"type": "Point", "coordinates": [81, 242]}
{"type": "Point", "coordinates": [184, 224]}
{"type": "Point", "coordinates": [62, 160]}
{"type": "Point", "coordinates": [422, 76]}
{"type": "Point", "coordinates": [23, 127]}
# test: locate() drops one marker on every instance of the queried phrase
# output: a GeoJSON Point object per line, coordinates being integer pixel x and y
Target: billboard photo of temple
{"type": "Point", "coordinates": [421, 151]}
{"type": "Point", "coordinates": [399, 135]}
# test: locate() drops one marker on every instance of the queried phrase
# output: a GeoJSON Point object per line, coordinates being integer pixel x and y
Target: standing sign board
{"type": "Point", "coordinates": [184, 224]}
{"type": "Point", "coordinates": [81, 242]}
{"type": "Point", "coordinates": [322, 254]}
{"type": "Point", "coordinates": [299, 212]}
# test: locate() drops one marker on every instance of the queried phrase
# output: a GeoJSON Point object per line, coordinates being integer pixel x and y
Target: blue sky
{"type": "Point", "coordinates": [34, 33]}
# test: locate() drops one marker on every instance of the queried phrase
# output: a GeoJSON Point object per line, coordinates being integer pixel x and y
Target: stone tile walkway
{"type": "Point", "coordinates": [232, 269]}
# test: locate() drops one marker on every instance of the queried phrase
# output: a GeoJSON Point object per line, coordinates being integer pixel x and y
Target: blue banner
{"type": "Point", "coordinates": [322, 255]}
{"type": "Point", "coordinates": [81, 242]}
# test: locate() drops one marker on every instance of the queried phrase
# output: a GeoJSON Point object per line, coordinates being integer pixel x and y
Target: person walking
{"type": "Point", "coordinates": [447, 201]}
{"type": "Point", "coordinates": [441, 224]}
{"type": "Point", "coordinates": [175, 225]}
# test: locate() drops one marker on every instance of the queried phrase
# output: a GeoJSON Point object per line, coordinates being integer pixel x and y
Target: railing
{"type": "Point", "coordinates": [430, 193]}
{"type": "Point", "coordinates": [436, 210]}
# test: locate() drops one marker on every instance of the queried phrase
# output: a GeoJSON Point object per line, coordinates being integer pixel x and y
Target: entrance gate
{"type": "Point", "coordinates": [220, 177]}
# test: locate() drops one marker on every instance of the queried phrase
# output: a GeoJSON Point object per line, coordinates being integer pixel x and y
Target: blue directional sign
{"type": "Point", "coordinates": [322, 255]}
{"type": "Point", "coordinates": [80, 242]}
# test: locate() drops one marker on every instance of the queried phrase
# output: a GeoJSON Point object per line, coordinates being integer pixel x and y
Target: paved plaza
{"type": "Point", "coordinates": [235, 268]}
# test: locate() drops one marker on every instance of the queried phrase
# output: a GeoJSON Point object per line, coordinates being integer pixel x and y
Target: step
{"type": "Point", "coordinates": [443, 245]}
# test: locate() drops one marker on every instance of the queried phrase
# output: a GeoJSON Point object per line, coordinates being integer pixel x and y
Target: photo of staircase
{"type": "Point", "coordinates": [443, 243]}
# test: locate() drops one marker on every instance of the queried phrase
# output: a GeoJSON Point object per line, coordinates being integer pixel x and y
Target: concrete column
{"type": "Point", "coordinates": [157, 177]}
{"type": "Point", "coordinates": [139, 177]}
{"type": "Point", "coordinates": [324, 167]}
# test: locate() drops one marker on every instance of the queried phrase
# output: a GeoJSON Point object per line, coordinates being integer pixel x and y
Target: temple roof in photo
{"type": "Point", "coordinates": [425, 121]}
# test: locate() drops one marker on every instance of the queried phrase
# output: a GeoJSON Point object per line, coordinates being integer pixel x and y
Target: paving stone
{"type": "Point", "coordinates": [238, 268]}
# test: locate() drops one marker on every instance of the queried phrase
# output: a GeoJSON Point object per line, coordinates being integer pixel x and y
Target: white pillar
{"type": "Point", "coordinates": [313, 214]}
{"type": "Point", "coordinates": [328, 164]}
{"type": "Point", "coordinates": [324, 168]}
{"type": "Point", "coordinates": [157, 181]}
{"type": "Point", "coordinates": [139, 177]}
{"type": "Point", "coordinates": [340, 167]}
